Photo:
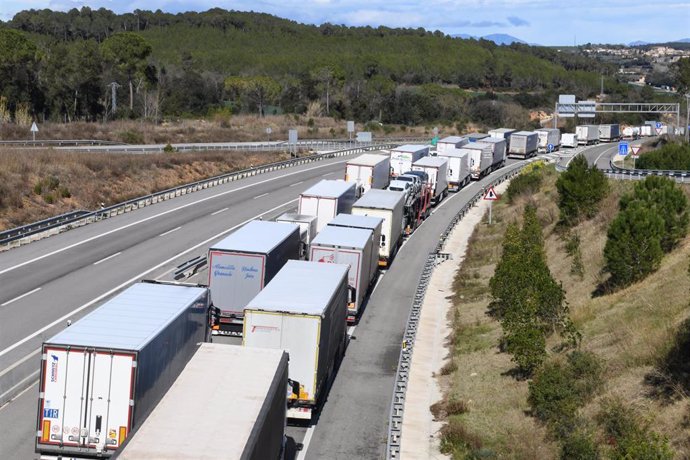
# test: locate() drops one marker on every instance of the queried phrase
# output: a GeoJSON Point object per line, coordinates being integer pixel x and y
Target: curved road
{"type": "Point", "coordinates": [63, 277]}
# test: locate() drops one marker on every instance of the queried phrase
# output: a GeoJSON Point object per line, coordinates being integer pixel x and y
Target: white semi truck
{"type": "Point", "coordinates": [609, 133]}
{"type": "Point", "coordinates": [240, 389]}
{"type": "Point", "coordinates": [402, 157]}
{"type": "Point", "coordinates": [356, 248]}
{"type": "Point", "coordinates": [450, 143]}
{"type": "Point", "coordinates": [368, 171]}
{"type": "Point", "coordinates": [458, 167]}
{"type": "Point", "coordinates": [498, 150]}
{"type": "Point", "coordinates": [549, 139]}
{"type": "Point", "coordinates": [303, 310]}
{"type": "Point", "coordinates": [100, 377]}
{"type": "Point", "coordinates": [375, 224]}
{"type": "Point", "coordinates": [437, 171]}
{"type": "Point", "coordinates": [390, 206]}
{"type": "Point", "coordinates": [240, 265]}
{"type": "Point", "coordinates": [326, 199]}
{"type": "Point", "coordinates": [523, 144]}
{"type": "Point", "coordinates": [587, 134]}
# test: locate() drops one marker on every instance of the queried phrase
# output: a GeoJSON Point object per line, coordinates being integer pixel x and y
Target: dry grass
{"type": "Point", "coordinates": [219, 128]}
{"type": "Point", "coordinates": [630, 329]}
{"type": "Point", "coordinates": [28, 178]}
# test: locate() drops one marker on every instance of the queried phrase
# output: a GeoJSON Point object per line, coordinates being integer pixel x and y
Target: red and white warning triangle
{"type": "Point", "coordinates": [635, 149]}
{"type": "Point", "coordinates": [490, 194]}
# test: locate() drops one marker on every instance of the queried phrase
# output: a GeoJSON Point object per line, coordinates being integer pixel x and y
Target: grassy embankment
{"type": "Point", "coordinates": [631, 330]}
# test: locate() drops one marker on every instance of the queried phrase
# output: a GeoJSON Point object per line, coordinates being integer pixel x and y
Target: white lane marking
{"type": "Point", "coordinates": [305, 443]}
{"type": "Point", "coordinates": [351, 330]}
{"type": "Point", "coordinates": [602, 154]}
{"type": "Point", "coordinates": [131, 280]}
{"type": "Point", "coordinates": [107, 258]}
{"type": "Point", "coordinates": [262, 195]}
{"type": "Point", "coordinates": [30, 376]}
{"type": "Point", "coordinates": [146, 219]}
{"type": "Point", "coordinates": [170, 231]}
{"type": "Point", "coordinates": [20, 362]}
{"type": "Point", "coordinates": [20, 297]}
{"type": "Point", "coordinates": [327, 174]}
{"type": "Point", "coordinates": [219, 211]}
{"type": "Point", "coordinates": [297, 183]}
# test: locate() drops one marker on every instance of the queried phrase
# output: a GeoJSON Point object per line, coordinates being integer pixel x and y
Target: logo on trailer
{"type": "Point", "coordinates": [328, 259]}
{"type": "Point", "coordinates": [53, 368]}
{"type": "Point", "coordinates": [51, 413]}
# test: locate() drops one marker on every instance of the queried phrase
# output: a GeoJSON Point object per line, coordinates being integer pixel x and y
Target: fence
{"type": "Point", "coordinates": [410, 334]}
{"type": "Point", "coordinates": [78, 218]}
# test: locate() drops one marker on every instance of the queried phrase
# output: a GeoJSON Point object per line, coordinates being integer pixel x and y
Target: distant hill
{"type": "Point", "coordinates": [499, 39]}
{"type": "Point", "coordinates": [638, 43]}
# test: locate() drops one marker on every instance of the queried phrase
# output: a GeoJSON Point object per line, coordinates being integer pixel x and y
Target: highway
{"type": "Point", "coordinates": [61, 278]}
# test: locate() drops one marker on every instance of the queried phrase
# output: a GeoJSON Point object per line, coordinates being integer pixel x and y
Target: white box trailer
{"type": "Point", "coordinates": [437, 170]}
{"type": "Point", "coordinates": [450, 143]}
{"type": "Point", "coordinates": [646, 131]}
{"type": "Point", "coordinates": [569, 140]}
{"type": "Point", "coordinates": [458, 167]}
{"type": "Point", "coordinates": [498, 149]}
{"type": "Point", "coordinates": [549, 137]}
{"type": "Point", "coordinates": [237, 389]}
{"type": "Point", "coordinates": [502, 133]}
{"type": "Point", "coordinates": [402, 157]}
{"type": "Point", "coordinates": [368, 171]}
{"type": "Point", "coordinates": [326, 199]}
{"type": "Point", "coordinates": [631, 132]}
{"type": "Point", "coordinates": [375, 224]}
{"type": "Point", "coordinates": [101, 376]}
{"type": "Point", "coordinates": [355, 247]}
{"type": "Point", "coordinates": [388, 205]}
{"type": "Point", "coordinates": [523, 144]}
{"type": "Point", "coordinates": [304, 311]}
{"type": "Point", "coordinates": [481, 158]}
{"type": "Point", "coordinates": [609, 133]}
{"type": "Point", "coordinates": [307, 226]}
{"type": "Point", "coordinates": [587, 134]}
{"type": "Point", "coordinates": [240, 265]}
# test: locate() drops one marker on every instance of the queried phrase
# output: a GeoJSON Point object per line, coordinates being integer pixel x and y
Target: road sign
{"type": "Point", "coordinates": [292, 136]}
{"type": "Point", "coordinates": [659, 125]}
{"type": "Point", "coordinates": [622, 148]}
{"type": "Point", "coordinates": [269, 130]}
{"type": "Point", "coordinates": [34, 130]}
{"type": "Point", "coordinates": [350, 126]}
{"type": "Point", "coordinates": [634, 149]}
{"type": "Point", "coordinates": [490, 195]}
{"type": "Point", "coordinates": [549, 148]}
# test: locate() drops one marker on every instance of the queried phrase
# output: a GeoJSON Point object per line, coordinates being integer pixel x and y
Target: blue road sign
{"type": "Point", "coordinates": [622, 148]}
{"type": "Point", "coordinates": [659, 125]}
{"type": "Point", "coordinates": [549, 148]}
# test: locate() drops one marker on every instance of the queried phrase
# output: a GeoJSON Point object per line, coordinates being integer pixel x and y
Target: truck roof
{"type": "Point", "coordinates": [379, 199]}
{"type": "Point", "coordinates": [547, 130]}
{"type": "Point", "coordinates": [479, 145]}
{"type": "Point", "coordinates": [433, 162]}
{"type": "Point", "coordinates": [455, 153]}
{"type": "Point", "coordinates": [132, 318]}
{"type": "Point", "coordinates": [301, 287]}
{"type": "Point", "coordinates": [476, 135]}
{"type": "Point", "coordinates": [351, 220]}
{"type": "Point", "coordinates": [295, 217]}
{"type": "Point", "coordinates": [221, 387]}
{"type": "Point", "coordinates": [329, 188]}
{"type": "Point", "coordinates": [451, 140]}
{"type": "Point", "coordinates": [410, 148]}
{"type": "Point", "coordinates": [502, 130]}
{"type": "Point", "coordinates": [342, 237]}
{"type": "Point", "coordinates": [257, 236]}
{"type": "Point", "coordinates": [524, 133]}
{"type": "Point", "coordinates": [491, 140]}
{"type": "Point", "coordinates": [368, 159]}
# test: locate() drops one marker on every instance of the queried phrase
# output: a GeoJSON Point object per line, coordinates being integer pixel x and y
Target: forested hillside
{"type": "Point", "coordinates": [59, 66]}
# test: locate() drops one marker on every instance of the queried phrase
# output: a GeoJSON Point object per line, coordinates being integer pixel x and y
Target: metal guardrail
{"type": "Point", "coordinates": [57, 142]}
{"type": "Point", "coordinates": [190, 267]}
{"type": "Point", "coordinates": [404, 362]}
{"type": "Point", "coordinates": [72, 220]}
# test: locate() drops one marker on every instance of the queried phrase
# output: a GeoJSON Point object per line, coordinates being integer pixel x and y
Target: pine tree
{"type": "Point", "coordinates": [580, 190]}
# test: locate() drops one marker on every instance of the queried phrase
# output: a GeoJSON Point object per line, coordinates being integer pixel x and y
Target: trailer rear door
{"type": "Point", "coordinates": [86, 399]}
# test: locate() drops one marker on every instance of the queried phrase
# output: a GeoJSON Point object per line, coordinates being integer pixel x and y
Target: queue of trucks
{"type": "Point", "coordinates": [288, 287]}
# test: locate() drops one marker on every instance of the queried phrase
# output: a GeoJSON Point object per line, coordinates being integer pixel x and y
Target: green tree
{"type": "Point", "coordinates": [633, 246]}
{"type": "Point", "coordinates": [580, 190]}
{"type": "Point", "coordinates": [19, 58]}
{"type": "Point", "coordinates": [663, 196]}
{"type": "Point", "coordinates": [682, 73]}
{"type": "Point", "coordinates": [128, 52]}
{"type": "Point", "coordinates": [258, 91]}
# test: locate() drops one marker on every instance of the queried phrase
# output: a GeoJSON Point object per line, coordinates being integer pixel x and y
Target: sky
{"type": "Point", "coordinates": [545, 22]}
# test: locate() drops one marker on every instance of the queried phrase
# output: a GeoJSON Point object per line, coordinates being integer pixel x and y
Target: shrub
{"type": "Point", "coordinates": [674, 366]}
{"type": "Point", "coordinates": [670, 156]}
{"type": "Point", "coordinates": [559, 389]}
{"type": "Point", "coordinates": [132, 137]}
{"type": "Point", "coordinates": [630, 436]}
{"type": "Point", "coordinates": [168, 148]}
{"type": "Point", "coordinates": [49, 198]}
{"type": "Point", "coordinates": [526, 183]}
{"type": "Point", "coordinates": [52, 182]}
{"type": "Point", "coordinates": [64, 192]}
{"type": "Point", "coordinates": [454, 436]}
{"type": "Point", "coordinates": [579, 445]}
{"type": "Point", "coordinates": [38, 188]}
{"type": "Point", "coordinates": [580, 190]}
